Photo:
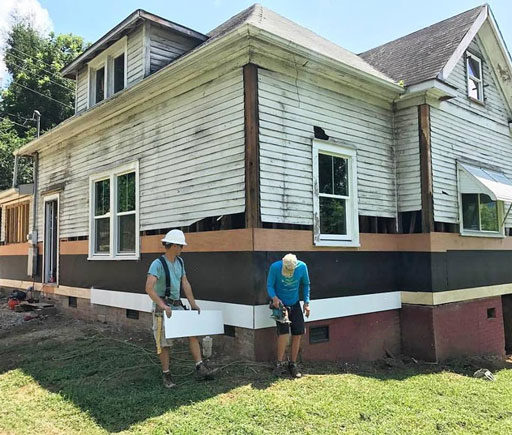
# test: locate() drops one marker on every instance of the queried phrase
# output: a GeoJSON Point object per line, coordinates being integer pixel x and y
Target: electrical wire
{"type": "Point", "coordinates": [54, 74]}
{"type": "Point", "coordinates": [41, 77]}
{"type": "Point", "coordinates": [45, 96]}
{"type": "Point", "coordinates": [35, 58]}
{"type": "Point", "coordinates": [16, 123]}
{"type": "Point", "coordinates": [18, 116]}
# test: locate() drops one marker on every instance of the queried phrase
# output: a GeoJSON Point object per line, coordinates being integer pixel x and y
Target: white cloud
{"type": "Point", "coordinates": [28, 9]}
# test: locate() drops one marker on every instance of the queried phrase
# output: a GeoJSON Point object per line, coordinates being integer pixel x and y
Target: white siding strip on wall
{"type": "Point", "coordinates": [191, 159]}
{"type": "Point", "coordinates": [135, 57]}
{"type": "Point", "coordinates": [288, 111]}
{"type": "Point", "coordinates": [81, 87]}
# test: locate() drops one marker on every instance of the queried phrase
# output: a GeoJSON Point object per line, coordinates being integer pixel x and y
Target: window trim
{"type": "Point", "coordinates": [480, 80]}
{"type": "Point", "coordinates": [351, 239]}
{"type": "Point", "coordinates": [48, 198]}
{"type": "Point", "coordinates": [106, 59]}
{"type": "Point", "coordinates": [113, 253]}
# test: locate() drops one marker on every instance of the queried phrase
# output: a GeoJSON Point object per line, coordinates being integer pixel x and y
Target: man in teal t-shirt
{"type": "Point", "coordinates": [285, 278]}
{"type": "Point", "coordinates": [156, 286]}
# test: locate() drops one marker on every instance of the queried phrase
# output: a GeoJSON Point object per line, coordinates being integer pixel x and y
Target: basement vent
{"type": "Point", "coordinates": [318, 334]}
{"type": "Point", "coordinates": [229, 331]}
{"type": "Point", "coordinates": [491, 313]}
{"type": "Point", "coordinates": [132, 314]}
{"type": "Point", "coordinates": [72, 302]}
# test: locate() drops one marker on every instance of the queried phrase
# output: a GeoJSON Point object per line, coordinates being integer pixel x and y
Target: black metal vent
{"type": "Point", "coordinates": [318, 334]}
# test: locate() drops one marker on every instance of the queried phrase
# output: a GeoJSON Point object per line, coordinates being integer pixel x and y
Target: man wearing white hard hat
{"type": "Point", "coordinates": [166, 277]}
{"type": "Point", "coordinates": [285, 278]}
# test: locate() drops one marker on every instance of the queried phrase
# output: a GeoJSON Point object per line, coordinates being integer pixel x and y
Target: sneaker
{"type": "Point", "coordinates": [167, 380]}
{"type": "Point", "coordinates": [203, 372]}
{"type": "Point", "coordinates": [294, 370]}
{"type": "Point", "coordinates": [280, 369]}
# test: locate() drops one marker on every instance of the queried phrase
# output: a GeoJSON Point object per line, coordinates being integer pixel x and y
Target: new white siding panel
{"type": "Point", "coordinates": [463, 129]}
{"type": "Point", "coordinates": [165, 46]}
{"type": "Point", "coordinates": [191, 159]}
{"type": "Point", "coordinates": [81, 90]}
{"type": "Point", "coordinates": [407, 153]}
{"type": "Point", "coordinates": [135, 57]}
{"type": "Point", "coordinates": [288, 110]}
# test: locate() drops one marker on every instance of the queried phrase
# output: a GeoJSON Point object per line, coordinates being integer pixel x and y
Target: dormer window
{"type": "Point", "coordinates": [107, 73]}
{"type": "Point", "coordinates": [475, 85]}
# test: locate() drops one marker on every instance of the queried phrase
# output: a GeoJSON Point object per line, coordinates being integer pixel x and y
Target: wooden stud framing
{"type": "Point", "coordinates": [427, 197]}
{"type": "Point", "coordinates": [252, 148]}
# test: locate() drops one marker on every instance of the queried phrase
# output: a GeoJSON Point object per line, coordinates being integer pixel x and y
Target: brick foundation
{"type": "Point", "coordinates": [453, 330]}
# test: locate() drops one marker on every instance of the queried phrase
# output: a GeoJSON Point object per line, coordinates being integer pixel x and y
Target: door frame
{"type": "Point", "coordinates": [50, 198]}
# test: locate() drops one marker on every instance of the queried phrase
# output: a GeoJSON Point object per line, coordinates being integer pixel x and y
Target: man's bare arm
{"type": "Point", "coordinates": [150, 290]}
{"type": "Point", "coordinates": [187, 289]}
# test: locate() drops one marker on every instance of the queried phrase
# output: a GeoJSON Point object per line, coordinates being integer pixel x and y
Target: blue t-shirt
{"type": "Point", "coordinates": [287, 289]}
{"type": "Point", "coordinates": [176, 272]}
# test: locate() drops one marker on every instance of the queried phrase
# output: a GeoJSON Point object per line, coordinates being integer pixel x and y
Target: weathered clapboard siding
{"type": "Point", "coordinates": [135, 57]}
{"type": "Point", "coordinates": [191, 158]}
{"type": "Point", "coordinates": [288, 110]}
{"type": "Point", "coordinates": [460, 129]}
{"type": "Point", "coordinates": [494, 107]}
{"type": "Point", "coordinates": [407, 154]}
{"type": "Point", "coordinates": [165, 46]}
{"type": "Point", "coordinates": [81, 90]}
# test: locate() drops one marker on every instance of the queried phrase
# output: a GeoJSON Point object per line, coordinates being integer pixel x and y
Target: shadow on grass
{"type": "Point", "coordinates": [118, 381]}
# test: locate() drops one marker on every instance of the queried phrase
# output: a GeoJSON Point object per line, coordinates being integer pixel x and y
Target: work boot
{"type": "Point", "coordinates": [203, 372]}
{"type": "Point", "coordinates": [280, 369]}
{"type": "Point", "coordinates": [294, 370]}
{"type": "Point", "coordinates": [167, 380]}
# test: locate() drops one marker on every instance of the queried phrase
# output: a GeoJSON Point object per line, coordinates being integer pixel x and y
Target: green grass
{"type": "Point", "coordinates": [93, 383]}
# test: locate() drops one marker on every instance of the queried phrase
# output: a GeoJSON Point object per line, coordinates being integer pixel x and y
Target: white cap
{"type": "Point", "coordinates": [289, 265]}
{"type": "Point", "coordinates": [175, 236]}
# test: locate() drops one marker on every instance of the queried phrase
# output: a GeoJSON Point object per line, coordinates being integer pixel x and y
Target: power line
{"type": "Point", "coordinates": [35, 58]}
{"type": "Point", "coordinates": [45, 96]}
{"type": "Point", "coordinates": [17, 123]}
{"type": "Point", "coordinates": [41, 77]}
{"type": "Point", "coordinates": [54, 74]}
{"type": "Point", "coordinates": [19, 116]}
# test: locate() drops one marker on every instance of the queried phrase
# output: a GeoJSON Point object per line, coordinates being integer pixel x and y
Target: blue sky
{"type": "Point", "coordinates": [355, 25]}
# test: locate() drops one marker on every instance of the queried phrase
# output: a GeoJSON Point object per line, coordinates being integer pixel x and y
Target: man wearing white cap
{"type": "Point", "coordinates": [285, 278]}
{"type": "Point", "coordinates": [166, 276]}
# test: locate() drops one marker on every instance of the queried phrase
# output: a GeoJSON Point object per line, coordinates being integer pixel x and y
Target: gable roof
{"type": "Point", "coordinates": [423, 54]}
{"type": "Point", "coordinates": [271, 22]}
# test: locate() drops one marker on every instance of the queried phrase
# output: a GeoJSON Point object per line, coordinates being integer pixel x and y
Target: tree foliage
{"type": "Point", "coordinates": [9, 142]}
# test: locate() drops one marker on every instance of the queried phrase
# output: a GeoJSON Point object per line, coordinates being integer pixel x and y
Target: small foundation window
{"type": "Point", "coordinates": [132, 314]}
{"type": "Point", "coordinates": [491, 313]}
{"type": "Point", "coordinates": [72, 302]}
{"type": "Point", "coordinates": [229, 330]}
{"type": "Point", "coordinates": [319, 334]}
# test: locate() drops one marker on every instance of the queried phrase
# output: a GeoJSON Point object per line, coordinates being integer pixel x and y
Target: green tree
{"type": "Point", "coordinates": [9, 142]}
{"type": "Point", "coordinates": [34, 62]}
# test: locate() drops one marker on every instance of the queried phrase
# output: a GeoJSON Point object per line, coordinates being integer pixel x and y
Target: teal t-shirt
{"type": "Point", "coordinates": [176, 271]}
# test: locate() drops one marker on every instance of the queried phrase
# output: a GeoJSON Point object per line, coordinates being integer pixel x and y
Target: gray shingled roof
{"type": "Point", "coordinates": [265, 19]}
{"type": "Point", "coordinates": [422, 55]}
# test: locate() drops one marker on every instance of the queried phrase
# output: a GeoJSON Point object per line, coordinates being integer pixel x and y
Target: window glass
{"type": "Point", "coordinates": [126, 233]}
{"type": "Point", "coordinates": [474, 67]}
{"type": "Point", "coordinates": [474, 89]}
{"type": "Point", "coordinates": [470, 211]}
{"type": "Point", "coordinates": [333, 216]}
{"type": "Point", "coordinates": [325, 173]}
{"type": "Point", "coordinates": [340, 170]}
{"type": "Point", "coordinates": [102, 197]}
{"type": "Point", "coordinates": [488, 213]}
{"type": "Point", "coordinates": [102, 230]}
{"type": "Point", "coordinates": [119, 73]}
{"type": "Point", "coordinates": [126, 192]}
{"type": "Point", "coordinates": [100, 84]}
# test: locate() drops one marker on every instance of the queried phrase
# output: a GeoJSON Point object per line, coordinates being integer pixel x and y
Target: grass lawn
{"type": "Point", "coordinates": [63, 376]}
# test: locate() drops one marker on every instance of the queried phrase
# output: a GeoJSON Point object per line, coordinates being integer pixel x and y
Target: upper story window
{"type": "Point", "coordinates": [114, 214]}
{"type": "Point", "coordinates": [107, 73]}
{"type": "Point", "coordinates": [475, 82]}
{"type": "Point", "coordinates": [335, 195]}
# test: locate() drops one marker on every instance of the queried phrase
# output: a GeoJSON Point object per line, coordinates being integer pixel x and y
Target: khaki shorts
{"type": "Point", "coordinates": [163, 341]}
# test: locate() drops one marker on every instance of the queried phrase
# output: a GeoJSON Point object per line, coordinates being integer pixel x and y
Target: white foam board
{"type": "Point", "coordinates": [191, 324]}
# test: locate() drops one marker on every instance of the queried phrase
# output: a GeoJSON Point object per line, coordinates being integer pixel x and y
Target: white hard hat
{"type": "Point", "coordinates": [175, 236]}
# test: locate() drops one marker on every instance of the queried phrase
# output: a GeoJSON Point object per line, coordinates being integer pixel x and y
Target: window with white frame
{"type": "Point", "coordinates": [107, 72]}
{"type": "Point", "coordinates": [474, 71]}
{"type": "Point", "coordinates": [480, 213]}
{"type": "Point", "coordinates": [114, 225]}
{"type": "Point", "coordinates": [335, 195]}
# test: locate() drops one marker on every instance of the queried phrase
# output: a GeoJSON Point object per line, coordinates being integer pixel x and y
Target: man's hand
{"type": "Point", "coordinates": [307, 311]}
{"type": "Point", "coordinates": [276, 301]}
{"type": "Point", "coordinates": [195, 307]}
{"type": "Point", "coordinates": [168, 310]}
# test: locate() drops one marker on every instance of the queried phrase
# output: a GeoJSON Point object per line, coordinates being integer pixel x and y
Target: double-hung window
{"type": "Point", "coordinates": [107, 73]}
{"type": "Point", "coordinates": [114, 214]}
{"type": "Point", "coordinates": [474, 72]}
{"type": "Point", "coordinates": [335, 195]}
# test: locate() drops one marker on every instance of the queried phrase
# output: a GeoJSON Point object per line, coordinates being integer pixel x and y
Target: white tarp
{"type": "Point", "coordinates": [496, 184]}
{"type": "Point", "coordinates": [191, 324]}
